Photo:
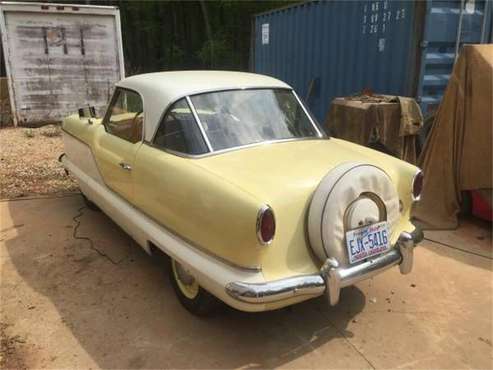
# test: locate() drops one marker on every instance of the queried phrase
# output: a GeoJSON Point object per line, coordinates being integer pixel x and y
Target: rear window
{"type": "Point", "coordinates": [241, 117]}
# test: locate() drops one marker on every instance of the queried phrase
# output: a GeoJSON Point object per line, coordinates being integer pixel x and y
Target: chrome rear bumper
{"type": "Point", "coordinates": [331, 278]}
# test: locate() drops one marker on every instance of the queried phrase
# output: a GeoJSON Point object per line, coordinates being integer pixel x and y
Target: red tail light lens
{"type": "Point", "coordinates": [266, 225]}
{"type": "Point", "coordinates": [417, 185]}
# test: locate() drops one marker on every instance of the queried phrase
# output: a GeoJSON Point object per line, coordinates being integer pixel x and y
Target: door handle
{"type": "Point", "coordinates": [125, 166]}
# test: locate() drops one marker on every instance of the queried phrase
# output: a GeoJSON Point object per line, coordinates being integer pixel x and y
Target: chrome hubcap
{"type": "Point", "coordinates": [185, 281]}
{"type": "Point", "coordinates": [183, 275]}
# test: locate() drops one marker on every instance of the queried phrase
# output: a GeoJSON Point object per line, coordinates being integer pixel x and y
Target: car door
{"type": "Point", "coordinates": [116, 148]}
{"type": "Point", "coordinates": [162, 169]}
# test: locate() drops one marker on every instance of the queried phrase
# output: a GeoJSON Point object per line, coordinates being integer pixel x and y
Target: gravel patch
{"type": "Point", "coordinates": [29, 163]}
{"type": "Point", "coordinates": [10, 354]}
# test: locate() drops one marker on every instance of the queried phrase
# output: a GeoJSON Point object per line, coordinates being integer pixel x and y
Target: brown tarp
{"type": "Point", "coordinates": [388, 123]}
{"type": "Point", "coordinates": [457, 155]}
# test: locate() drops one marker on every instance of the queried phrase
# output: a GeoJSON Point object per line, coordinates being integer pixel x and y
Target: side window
{"type": "Point", "coordinates": [125, 116]}
{"type": "Point", "coordinates": [179, 131]}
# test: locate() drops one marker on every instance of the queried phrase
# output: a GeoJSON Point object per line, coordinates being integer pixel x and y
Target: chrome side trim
{"type": "Point", "coordinates": [204, 250]}
{"type": "Point", "coordinates": [332, 277]}
{"type": "Point", "coordinates": [315, 126]}
{"type": "Point", "coordinates": [201, 127]}
{"type": "Point", "coordinates": [70, 166]}
{"type": "Point", "coordinates": [222, 151]}
{"type": "Point", "coordinates": [277, 290]}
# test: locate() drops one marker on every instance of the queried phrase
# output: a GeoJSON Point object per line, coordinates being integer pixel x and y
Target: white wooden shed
{"type": "Point", "coordinates": [59, 57]}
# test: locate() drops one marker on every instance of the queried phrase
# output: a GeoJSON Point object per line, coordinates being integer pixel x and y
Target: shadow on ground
{"type": "Point", "coordinates": [471, 243]}
{"type": "Point", "coordinates": [118, 304]}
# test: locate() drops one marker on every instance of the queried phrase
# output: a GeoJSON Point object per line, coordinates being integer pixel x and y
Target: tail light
{"type": "Point", "coordinates": [417, 185]}
{"type": "Point", "coordinates": [266, 225]}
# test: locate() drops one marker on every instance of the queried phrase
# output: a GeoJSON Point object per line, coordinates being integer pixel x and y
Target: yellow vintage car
{"type": "Point", "coordinates": [230, 176]}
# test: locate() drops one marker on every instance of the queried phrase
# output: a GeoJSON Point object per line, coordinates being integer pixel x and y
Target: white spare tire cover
{"type": "Point", "coordinates": [351, 195]}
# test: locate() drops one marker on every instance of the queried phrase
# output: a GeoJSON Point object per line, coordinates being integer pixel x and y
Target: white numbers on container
{"type": "Point", "coordinates": [400, 14]}
{"type": "Point", "coordinates": [377, 16]}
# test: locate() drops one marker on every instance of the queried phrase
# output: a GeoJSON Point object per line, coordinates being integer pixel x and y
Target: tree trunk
{"type": "Point", "coordinates": [208, 30]}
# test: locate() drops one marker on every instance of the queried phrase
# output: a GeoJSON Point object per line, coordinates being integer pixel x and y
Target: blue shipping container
{"type": "Point", "coordinates": [326, 49]}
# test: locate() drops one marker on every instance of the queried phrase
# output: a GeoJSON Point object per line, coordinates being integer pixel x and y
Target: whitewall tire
{"type": "Point", "coordinates": [190, 294]}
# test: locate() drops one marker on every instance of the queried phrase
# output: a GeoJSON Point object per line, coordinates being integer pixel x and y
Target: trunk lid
{"type": "Point", "coordinates": [282, 170]}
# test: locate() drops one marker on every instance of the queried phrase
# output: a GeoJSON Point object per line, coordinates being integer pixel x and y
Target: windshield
{"type": "Point", "coordinates": [241, 117]}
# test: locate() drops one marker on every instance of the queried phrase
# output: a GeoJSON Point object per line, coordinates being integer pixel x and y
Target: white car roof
{"type": "Point", "coordinates": [160, 89]}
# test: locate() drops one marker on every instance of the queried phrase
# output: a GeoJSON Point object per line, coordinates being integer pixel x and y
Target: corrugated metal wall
{"type": "Point", "coordinates": [326, 49]}
{"type": "Point", "coordinates": [444, 26]}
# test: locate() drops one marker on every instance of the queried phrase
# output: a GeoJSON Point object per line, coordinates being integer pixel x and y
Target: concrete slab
{"type": "Point", "coordinates": [473, 235]}
{"type": "Point", "coordinates": [103, 303]}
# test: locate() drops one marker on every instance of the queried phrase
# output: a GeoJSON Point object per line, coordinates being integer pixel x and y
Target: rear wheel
{"type": "Point", "coordinates": [194, 298]}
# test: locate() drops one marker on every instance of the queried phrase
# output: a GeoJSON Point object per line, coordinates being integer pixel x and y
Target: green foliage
{"type": "Point", "coordinates": [218, 49]}
{"type": "Point", "coordinates": [173, 35]}
{"type": "Point", "coordinates": [29, 133]}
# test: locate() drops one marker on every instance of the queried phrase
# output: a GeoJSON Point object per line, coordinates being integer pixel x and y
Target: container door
{"type": "Point", "coordinates": [60, 62]}
{"type": "Point", "coordinates": [448, 25]}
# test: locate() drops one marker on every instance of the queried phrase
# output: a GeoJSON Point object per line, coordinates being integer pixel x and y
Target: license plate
{"type": "Point", "coordinates": [367, 241]}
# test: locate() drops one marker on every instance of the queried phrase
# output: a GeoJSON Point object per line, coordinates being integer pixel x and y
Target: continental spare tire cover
{"type": "Point", "coordinates": [349, 196]}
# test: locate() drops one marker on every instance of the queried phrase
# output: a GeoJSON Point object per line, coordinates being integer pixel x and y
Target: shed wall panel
{"type": "Point", "coordinates": [61, 62]}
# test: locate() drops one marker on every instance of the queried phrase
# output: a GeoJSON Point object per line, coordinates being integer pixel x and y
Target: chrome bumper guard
{"type": "Point", "coordinates": [332, 277]}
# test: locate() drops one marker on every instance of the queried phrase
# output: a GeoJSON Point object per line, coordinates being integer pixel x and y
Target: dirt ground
{"type": "Point", "coordinates": [76, 292]}
{"type": "Point", "coordinates": [29, 162]}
